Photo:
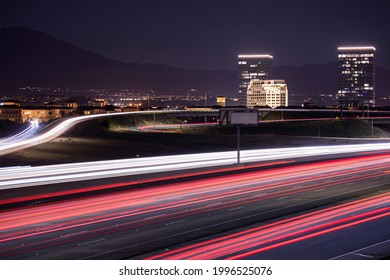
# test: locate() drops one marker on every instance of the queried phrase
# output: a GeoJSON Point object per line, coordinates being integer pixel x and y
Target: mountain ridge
{"type": "Point", "coordinates": [34, 58]}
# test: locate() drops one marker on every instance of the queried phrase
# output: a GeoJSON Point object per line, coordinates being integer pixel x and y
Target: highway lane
{"type": "Point", "coordinates": [58, 127]}
{"type": "Point", "coordinates": [12, 197]}
{"type": "Point", "coordinates": [134, 222]}
{"type": "Point", "coordinates": [350, 243]}
{"type": "Point", "coordinates": [320, 234]}
{"type": "Point", "coordinates": [16, 177]}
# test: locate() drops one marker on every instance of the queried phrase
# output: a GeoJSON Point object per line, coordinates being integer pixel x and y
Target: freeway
{"type": "Point", "coordinates": [137, 222]}
{"type": "Point", "coordinates": [269, 241]}
{"type": "Point", "coordinates": [55, 129]}
{"type": "Point", "coordinates": [31, 136]}
{"type": "Point", "coordinates": [23, 176]}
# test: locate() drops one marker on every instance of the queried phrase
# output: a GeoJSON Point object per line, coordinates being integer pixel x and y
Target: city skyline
{"type": "Point", "coordinates": [247, 130]}
{"type": "Point", "coordinates": [203, 35]}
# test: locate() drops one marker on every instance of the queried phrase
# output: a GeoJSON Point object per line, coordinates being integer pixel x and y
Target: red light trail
{"type": "Point", "coordinates": [48, 225]}
{"type": "Point", "coordinates": [287, 231]}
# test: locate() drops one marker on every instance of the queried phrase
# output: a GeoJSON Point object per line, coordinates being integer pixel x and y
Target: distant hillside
{"type": "Point", "coordinates": [309, 79]}
{"type": "Point", "coordinates": [32, 58]}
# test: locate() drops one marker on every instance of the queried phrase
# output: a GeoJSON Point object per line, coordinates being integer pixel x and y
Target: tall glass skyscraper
{"type": "Point", "coordinates": [252, 66]}
{"type": "Point", "coordinates": [356, 76]}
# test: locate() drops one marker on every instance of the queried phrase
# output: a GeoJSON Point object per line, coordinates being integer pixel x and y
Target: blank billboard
{"type": "Point", "coordinates": [244, 118]}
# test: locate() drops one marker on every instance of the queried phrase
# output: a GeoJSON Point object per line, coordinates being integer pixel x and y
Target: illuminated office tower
{"type": "Point", "coordinates": [272, 93]}
{"type": "Point", "coordinates": [356, 76]}
{"type": "Point", "coordinates": [252, 66]}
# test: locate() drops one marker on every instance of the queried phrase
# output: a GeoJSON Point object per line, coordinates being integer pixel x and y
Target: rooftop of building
{"type": "Point", "coordinates": [268, 81]}
{"type": "Point", "coordinates": [357, 48]}
{"type": "Point", "coordinates": [255, 56]}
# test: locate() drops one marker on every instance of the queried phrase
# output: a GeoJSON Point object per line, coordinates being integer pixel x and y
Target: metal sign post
{"type": "Point", "coordinates": [238, 117]}
{"type": "Point", "coordinates": [238, 144]}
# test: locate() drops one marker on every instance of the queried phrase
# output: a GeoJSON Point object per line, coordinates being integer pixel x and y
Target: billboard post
{"type": "Point", "coordinates": [238, 144]}
{"type": "Point", "coordinates": [238, 117]}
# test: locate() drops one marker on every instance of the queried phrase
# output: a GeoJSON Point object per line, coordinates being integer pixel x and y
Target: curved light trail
{"type": "Point", "coordinates": [27, 132]}
{"type": "Point", "coordinates": [28, 140]}
{"type": "Point", "coordinates": [59, 128]}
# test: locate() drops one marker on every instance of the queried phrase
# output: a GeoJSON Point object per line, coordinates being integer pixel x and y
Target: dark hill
{"type": "Point", "coordinates": [32, 58]}
{"type": "Point", "coordinates": [309, 79]}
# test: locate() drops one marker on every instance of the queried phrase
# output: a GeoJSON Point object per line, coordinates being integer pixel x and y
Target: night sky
{"type": "Point", "coordinates": [208, 34]}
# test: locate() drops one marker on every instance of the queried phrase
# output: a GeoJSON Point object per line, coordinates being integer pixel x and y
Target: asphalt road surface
{"type": "Point", "coordinates": [136, 223]}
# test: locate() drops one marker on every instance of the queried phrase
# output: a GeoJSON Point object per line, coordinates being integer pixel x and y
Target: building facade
{"type": "Point", "coordinates": [31, 113]}
{"type": "Point", "coordinates": [221, 101]}
{"type": "Point", "coordinates": [253, 66]}
{"type": "Point", "coordinates": [271, 93]}
{"type": "Point", "coordinates": [356, 76]}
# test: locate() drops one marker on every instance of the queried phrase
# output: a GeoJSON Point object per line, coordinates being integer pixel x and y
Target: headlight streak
{"type": "Point", "coordinates": [27, 132]}
{"type": "Point", "coordinates": [30, 176]}
{"type": "Point", "coordinates": [60, 128]}
{"type": "Point", "coordinates": [137, 182]}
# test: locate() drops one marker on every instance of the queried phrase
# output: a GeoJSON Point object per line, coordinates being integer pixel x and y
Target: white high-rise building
{"type": "Point", "coordinates": [272, 93]}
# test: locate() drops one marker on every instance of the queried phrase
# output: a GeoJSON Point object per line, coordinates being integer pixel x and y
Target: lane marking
{"type": "Point", "coordinates": [90, 242]}
{"type": "Point", "coordinates": [175, 222]}
{"type": "Point", "coordinates": [236, 208]}
{"type": "Point", "coordinates": [364, 255]}
{"type": "Point", "coordinates": [74, 233]}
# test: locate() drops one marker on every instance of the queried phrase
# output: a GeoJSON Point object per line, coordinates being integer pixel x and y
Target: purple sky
{"type": "Point", "coordinates": [208, 34]}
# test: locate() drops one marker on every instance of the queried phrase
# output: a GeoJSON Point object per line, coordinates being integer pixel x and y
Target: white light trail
{"type": "Point", "coordinates": [14, 177]}
{"type": "Point", "coordinates": [27, 132]}
{"type": "Point", "coordinates": [60, 173]}
{"type": "Point", "coordinates": [63, 125]}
